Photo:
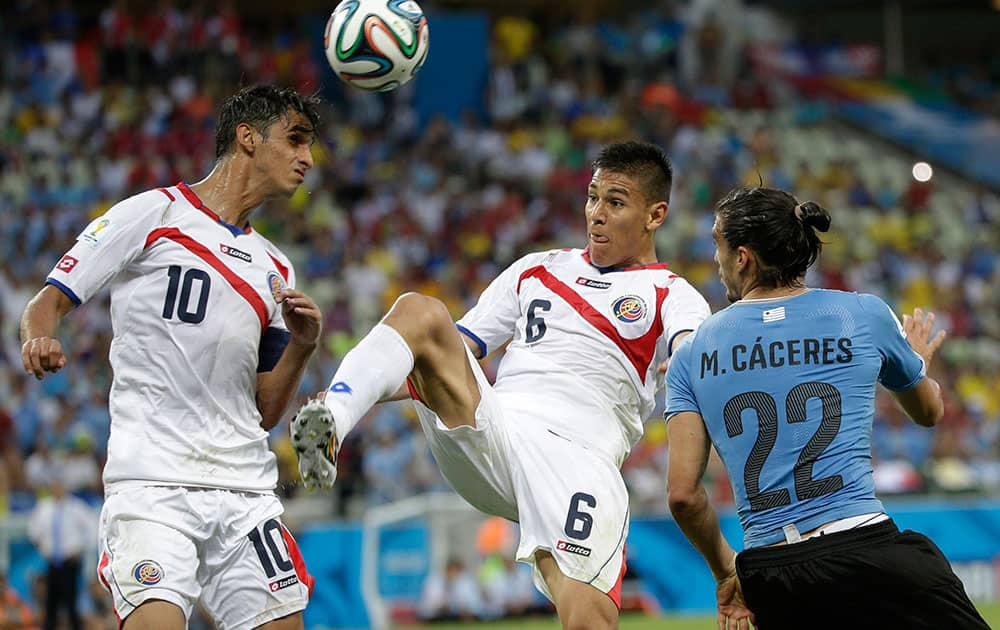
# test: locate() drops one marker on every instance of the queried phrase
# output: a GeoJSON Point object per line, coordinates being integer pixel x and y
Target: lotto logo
{"type": "Point", "coordinates": [235, 253]}
{"type": "Point", "coordinates": [277, 585]}
{"type": "Point", "coordinates": [67, 263]}
{"type": "Point", "coordinates": [593, 284]}
{"type": "Point", "coordinates": [579, 550]}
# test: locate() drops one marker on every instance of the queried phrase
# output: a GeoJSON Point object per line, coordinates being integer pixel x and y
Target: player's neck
{"type": "Point", "coordinates": [770, 293]}
{"type": "Point", "coordinates": [227, 191]}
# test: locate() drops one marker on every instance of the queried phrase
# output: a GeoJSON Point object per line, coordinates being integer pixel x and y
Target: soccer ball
{"type": "Point", "coordinates": [376, 45]}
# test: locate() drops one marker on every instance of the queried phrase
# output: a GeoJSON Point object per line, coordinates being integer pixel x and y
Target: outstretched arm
{"type": "Point", "coordinates": [276, 388]}
{"type": "Point", "coordinates": [689, 445]}
{"type": "Point", "coordinates": [41, 352]}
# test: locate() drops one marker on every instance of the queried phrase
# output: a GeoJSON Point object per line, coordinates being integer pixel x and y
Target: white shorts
{"type": "Point", "coordinates": [570, 500]}
{"type": "Point", "coordinates": [223, 548]}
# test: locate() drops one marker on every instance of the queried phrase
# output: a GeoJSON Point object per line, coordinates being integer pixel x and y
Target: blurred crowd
{"type": "Point", "coordinates": [95, 108]}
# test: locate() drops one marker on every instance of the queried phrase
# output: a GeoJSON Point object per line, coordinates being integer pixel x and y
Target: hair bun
{"type": "Point", "coordinates": [814, 215]}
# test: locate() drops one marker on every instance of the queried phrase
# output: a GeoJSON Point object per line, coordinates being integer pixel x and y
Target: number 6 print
{"type": "Point", "coordinates": [579, 524]}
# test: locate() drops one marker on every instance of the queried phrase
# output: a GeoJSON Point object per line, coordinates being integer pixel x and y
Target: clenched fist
{"type": "Point", "coordinates": [41, 355]}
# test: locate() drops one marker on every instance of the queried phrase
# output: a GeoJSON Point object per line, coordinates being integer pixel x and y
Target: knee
{"type": "Point", "coordinates": [590, 614]}
{"type": "Point", "coordinates": [420, 318]}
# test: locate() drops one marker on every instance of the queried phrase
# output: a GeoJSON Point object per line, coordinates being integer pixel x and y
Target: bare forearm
{"type": "Point", "coordinates": [275, 389]}
{"type": "Point", "coordinates": [923, 403]}
{"type": "Point", "coordinates": [700, 523]}
{"type": "Point", "coordinates": [41, 316]}
{"type": "Point", "coordinates": [41, 352]}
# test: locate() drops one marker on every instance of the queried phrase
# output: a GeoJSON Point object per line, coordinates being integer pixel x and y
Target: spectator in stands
{"type": "Point", "coordinates": [508, 588]}
{"type": "Point", "coordinates": [452, 595]}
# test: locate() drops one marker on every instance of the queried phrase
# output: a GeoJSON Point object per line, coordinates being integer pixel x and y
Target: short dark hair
{"type": "Point", "coordinates": [777, 228]}
{"type": "Point", "coordinates": [259, 106]}
{"type": "Point", "coordinates": [643, 161]}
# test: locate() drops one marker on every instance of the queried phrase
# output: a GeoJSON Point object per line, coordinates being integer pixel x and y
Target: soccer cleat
{"type": "Point", "coordinates": [314, 436]}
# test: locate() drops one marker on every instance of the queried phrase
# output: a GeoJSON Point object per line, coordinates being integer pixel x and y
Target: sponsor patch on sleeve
{"type": "Point", "coordinates": [66, 264]}
{"type": "Point", "coordinates": [95, 233]}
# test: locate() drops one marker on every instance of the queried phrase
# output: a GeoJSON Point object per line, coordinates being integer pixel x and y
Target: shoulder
{"type": "Point", "coordinates": [545, 258]}
{"type": "Point", "coordinates": [870, 303]}
{"type": "Point", "coordinates": [717, 320]}
{"type": "Point", "coordinates": [876, 310]}
{"type": "Point", "coordinates": [680, 290]}
{"type": "Point", "coordinates": [148, 202]}
{"type": "Point", "coordinates": [677, 284]}
{"type": "Point", "coordinates": [553, 256]}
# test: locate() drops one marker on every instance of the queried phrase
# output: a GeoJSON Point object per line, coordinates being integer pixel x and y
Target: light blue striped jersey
{"type": "Point", "coordinates": [786, 388]}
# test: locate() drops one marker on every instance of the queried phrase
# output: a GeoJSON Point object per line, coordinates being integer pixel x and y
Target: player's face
{"type": "Point", "coordinates": [620, 223]}
{"type": "Point", "coordinates": [286, 155]}
{"type": "Point", "coordinates": [726, 258]}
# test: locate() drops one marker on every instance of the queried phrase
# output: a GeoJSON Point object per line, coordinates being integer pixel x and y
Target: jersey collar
{"type": "Point", "coordinates": [586, 257]}
{"type": "Point", "coordinates": [196, 202]}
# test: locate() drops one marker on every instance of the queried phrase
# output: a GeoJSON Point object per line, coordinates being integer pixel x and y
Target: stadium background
{"type": "Point", "coordinates": [438, 186]}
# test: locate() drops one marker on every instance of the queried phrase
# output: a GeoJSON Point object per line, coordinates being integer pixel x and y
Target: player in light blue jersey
{"type": "Point", "coordinates": [782, 383]}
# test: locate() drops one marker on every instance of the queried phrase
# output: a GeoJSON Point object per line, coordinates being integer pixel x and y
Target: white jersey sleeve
{"type": "Point", "coordinates": [490, 323]}
{"type": "Point", "coordinates": [683, 310]}
{"type": "Point", "coordinates": [108, 245]}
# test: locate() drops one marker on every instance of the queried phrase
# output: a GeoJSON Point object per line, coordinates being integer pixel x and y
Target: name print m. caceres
{"type": "Point", "coordinates": [763, 354]}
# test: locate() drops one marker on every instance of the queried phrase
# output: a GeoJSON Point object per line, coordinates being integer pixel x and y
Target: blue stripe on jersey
{"type": "Point", "coordinates": [65, 289]}
{"type": "Point", "coordinates": [272, 346]}
{"type": "Point", "coordinates": [471, 335]}
{"type": "Point", "coordinates": [789, 403]}
{"type": "Point", "coordinates": [670, 342]}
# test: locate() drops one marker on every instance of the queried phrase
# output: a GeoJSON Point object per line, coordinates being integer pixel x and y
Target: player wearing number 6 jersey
{"type": "Point", "coordinates": [588, 330]}
{"type": "Point", "coordinates": [210, 342]}
{"type": "Point", "coordinates": [782, 383]}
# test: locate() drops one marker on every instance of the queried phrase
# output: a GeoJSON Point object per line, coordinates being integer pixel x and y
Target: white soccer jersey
{"type": "Point", "coordinates": [586, 341]}
{"type": "Point", "coordinates": [195, 318]}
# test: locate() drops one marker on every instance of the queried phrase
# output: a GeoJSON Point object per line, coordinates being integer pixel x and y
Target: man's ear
{"type": "Point", "coordinates": [657, 214]}
{"type": "Point", "coordinates": [245, 137]}
{"type": "Point", "coordinates": [744, 258]}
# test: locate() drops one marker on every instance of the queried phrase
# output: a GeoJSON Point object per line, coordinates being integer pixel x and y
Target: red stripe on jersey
{"type": "Point", "coordinates": [103, 564]}
{"type": "Point", "coordinates": [657, 265]}
{"type": "Point", "coordinates": [297, 561]}
{"type": "Point", "coordinates": [413, 390]}
{"type": "Point", "coordinates": [283, 270]}
{"type": "Point", "coordinates": [195, 201]}
{"type": "Point", "coordinates": [167, 193]}
{"type": "Point", "coordinates": [239, 284]}
{"type": "Point", "coordinates": [639, 351]}
{"type": "Point", "coordinates": [616, 591]}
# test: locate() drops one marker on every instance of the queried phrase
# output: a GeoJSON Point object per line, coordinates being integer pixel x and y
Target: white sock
{"type": "Point", "coordinates": [373, 370]}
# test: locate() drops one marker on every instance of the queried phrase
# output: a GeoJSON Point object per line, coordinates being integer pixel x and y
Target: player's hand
{"type": "Point", "coordinates": [302, 316]}
{"type": "Point", "coordinates": [918, 332]}
{"type": "Point", "coordinates": [41, 355]}
{"type": "Point", "coordinates": [733, 611]}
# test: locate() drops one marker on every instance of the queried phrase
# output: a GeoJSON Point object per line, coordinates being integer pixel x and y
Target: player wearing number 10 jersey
{"type": "Point", "coordinates": [782, 383]}
{"type": "Point", "coordinates": [210, 342]}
